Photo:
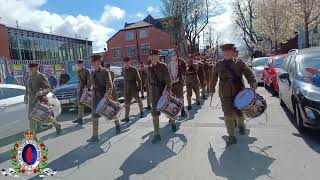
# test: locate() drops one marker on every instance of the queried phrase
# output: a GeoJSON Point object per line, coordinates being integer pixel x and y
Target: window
{"type": "Point", "coordinates": [131, 51]}
{"type": "Point", "coordinates": [286, 64]}
{"type": "Point", "coordinates": [143, 33]}
{"type": "Point", "coordinates": [144, 49]}
{"type": "Point", "coordinates": [116, 52]}
{"type": "Point", "coordinates": [129, 35]}
{"type": "Point", "coordinates": [10, 93]}
{"type": "Point", "coordinates": [291, 66]}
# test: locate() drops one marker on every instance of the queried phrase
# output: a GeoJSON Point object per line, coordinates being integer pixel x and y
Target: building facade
{"type": "Point", "coordinates": [134, 41]}
{"type": "Point", "coordinates": [18, 47]}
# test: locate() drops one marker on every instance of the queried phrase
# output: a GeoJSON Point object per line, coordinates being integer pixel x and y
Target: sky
{"type": "Point", "coordinates": [96, 20]}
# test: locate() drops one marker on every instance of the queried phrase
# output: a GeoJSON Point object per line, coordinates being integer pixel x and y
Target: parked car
{"type": "Point", "coordinates": [67, 94]}
{"type": "Point", "coordinates": [297, 90]}
{"type": "Point", "coordinates": [270, 72]}
{"type": "Point", "coordinates": [14, 112]}
{"type": "Point", "coordinates": [257, 67]}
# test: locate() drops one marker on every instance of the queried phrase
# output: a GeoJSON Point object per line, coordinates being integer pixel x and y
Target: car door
{"type": "Point", "coordinates": [267, 76]}
{"type": "Point", "coordinates": [292, 74]}
{"type": "Point", "coordinates": [13, 112]}
{"type": "Point", "coordinates": [283, 82]}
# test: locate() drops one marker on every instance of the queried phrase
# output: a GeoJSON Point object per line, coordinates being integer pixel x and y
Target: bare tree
{"type": "Point", "coordinates": [244, 15]}
{"type": "Point", "coordinates": [308, 14]}
{"type": "Point", "coordinates": [193, 15]}
{"type": "Point", "coordinates": [274, 22]}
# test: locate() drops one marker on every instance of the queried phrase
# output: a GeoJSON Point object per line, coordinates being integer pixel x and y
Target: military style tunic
{"type": "Point", "coordinates": [35, 83]}
{"type": "Point", "coordinates": [177, 88]}
{"type": "Point", "coordinates": [231, 83]}
{"type": "Point", "coordinates": [102, 85]}
{"type": "Point", "coordinates": [84, 81]}
{"type": "Point", "coordinates": [114, 90]}
{"type": "Point", "coordinates": [132, 83]}
{"type": "Point", "coordinates": [201, 74]}
{"type": "Point", "coordinates": [192, 79]}
{"type": "Point", "coordinates": [159, 80]}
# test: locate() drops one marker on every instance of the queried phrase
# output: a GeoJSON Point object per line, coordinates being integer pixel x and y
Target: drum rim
{"type": "Point", "coordinates": [250, 104]}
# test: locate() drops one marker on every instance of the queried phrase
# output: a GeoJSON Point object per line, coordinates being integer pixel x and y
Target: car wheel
{"type": "Point", "coordinates": [280, 99]}
{"type": "Point", "coordinates": [298, 118]}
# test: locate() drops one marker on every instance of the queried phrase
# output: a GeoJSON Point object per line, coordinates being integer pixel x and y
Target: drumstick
{"type": "Point", "coordinates": [211, 100]}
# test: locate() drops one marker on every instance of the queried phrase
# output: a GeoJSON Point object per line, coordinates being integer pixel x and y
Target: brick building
{"type": "Point", "coordinates": [135, 40]}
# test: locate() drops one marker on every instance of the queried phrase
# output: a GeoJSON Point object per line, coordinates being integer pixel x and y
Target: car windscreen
{"type": "Point", "coordinates": [260, 62]}
{"type": "Point", "coordinates": [278, 62]}
{"type": "Point", "coordinates": [309, 61]}
{"type": "Point", "coordinates": [73, 80]}
{"type": "Point", "coordinates": [6, 93]}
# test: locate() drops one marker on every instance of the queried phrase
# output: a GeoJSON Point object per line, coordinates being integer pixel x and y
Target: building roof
{"type": "Point", "coordinates": [139, 24]}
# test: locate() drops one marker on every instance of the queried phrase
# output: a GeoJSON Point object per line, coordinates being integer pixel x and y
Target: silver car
{"type": "Point", "coordinates": [13, 110]}
{"type": "Point", "coordinates": [257, 66]}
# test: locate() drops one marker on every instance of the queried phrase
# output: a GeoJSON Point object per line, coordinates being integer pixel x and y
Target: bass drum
{"type": "Point", "coordinates": [251, 103]}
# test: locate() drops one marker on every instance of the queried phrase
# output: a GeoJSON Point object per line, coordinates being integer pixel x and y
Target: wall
{"type": "Point", "coordinates": [4, 45]}
{"type": "Point", "coordinates": [156, 38]}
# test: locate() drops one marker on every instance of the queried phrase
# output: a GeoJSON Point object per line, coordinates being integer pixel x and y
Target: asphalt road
{"type": "Point", "coordinates": [271, 149]}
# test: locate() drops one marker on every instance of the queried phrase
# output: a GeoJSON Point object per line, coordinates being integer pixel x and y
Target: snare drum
{"type": "Point", "coordinates": [251, 103]}
{"type": "Point", "coordinates": [109, 108]}
{"type": "Point", "coordinates": [86, 97]}
{"type": "Point", "coordinates": [41, 113]}
{"type": "Point", "coordinates": [170, 106]}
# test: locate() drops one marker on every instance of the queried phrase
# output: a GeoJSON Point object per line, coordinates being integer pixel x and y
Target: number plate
{"type": "Point", "coordinates": [64, 101]}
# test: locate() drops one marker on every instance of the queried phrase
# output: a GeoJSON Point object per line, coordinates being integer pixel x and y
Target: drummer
{"type": "Point", "coordinates": [102, 87]}
{"type": "Point", "coordinates": [160, 84]}
{"type": "Point", "coordinates": [230, 71]}
{"type": "Point", "coordinates": [37, 85]}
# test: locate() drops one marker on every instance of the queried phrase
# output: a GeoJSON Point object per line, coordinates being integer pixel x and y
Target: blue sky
{"type": "Point", "coordinates": [133, 8]}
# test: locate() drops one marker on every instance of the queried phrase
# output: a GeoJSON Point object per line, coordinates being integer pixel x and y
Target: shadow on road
{"type": "Point", "coordinates": [192, 112]}
{"type": "Point", "coordinates": [149, 155]}
{"type": "Point", "coordinates": [310, 137]}
{"type": "Point", "coordinates": [239, 162]}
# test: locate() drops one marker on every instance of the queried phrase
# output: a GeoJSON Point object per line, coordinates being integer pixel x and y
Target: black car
{"type": "Point", "coordinates": [297, 90]}
{"type": "Point", "coordinates": [67, 94]}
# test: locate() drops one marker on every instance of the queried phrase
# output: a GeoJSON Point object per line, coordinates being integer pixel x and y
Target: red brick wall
{"type": "Point", "coordinates": [4, 45]}
{"type": "Point", "coordinates": [156, 38]}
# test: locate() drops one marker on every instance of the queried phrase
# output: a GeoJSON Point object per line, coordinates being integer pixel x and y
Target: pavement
{"type": "Point", "coordinates": [271, 149]}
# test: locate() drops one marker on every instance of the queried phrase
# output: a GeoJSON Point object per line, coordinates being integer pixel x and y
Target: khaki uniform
{"type": "Point", "coordinates": [84, 81]}
{"type": "Point", "coordinates": [207, 71]}
{"type": "Point", "coordinates": [102, 85]}
{"type": "Point", "coordinates": [192, 82]}
{"type": "Point", "coordinates": [144, 78]}
{"type": "Point", "coordinates": [35, 83]}
{"type": "Point", "coordinates": [159, 80]}
{"type": "Point", "coordinates": [201, 75]}
{"type": "Point", "coordinates": [114, 89]}
{"type": "Point", "coordinates": [230, 73]}
{"type": "Point", "coordinates": [132, 86]}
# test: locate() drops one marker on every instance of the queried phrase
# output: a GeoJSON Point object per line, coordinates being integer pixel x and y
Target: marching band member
{"type": "Point", "coordinates": [84, 81]}
{"type": "Point", "coordinates": [114, 89]}
{"type": "Point", "coordinates": [192, 82]}
{"type": "Point", "coordinates": [145, 84]}
{"type": "Point", "coordinates": [230, 72]}
{"type": "Point", "coordinates": [102, 87]}
{"type": "Point", "coordinates": [37, 86]}
{"type": "Point", "coordinates": [132, 86]}
{"type": "Point", "coordinates": [201, 74]}
{"type": "Point", "coordinates": [177, 87]}
{"type": "Point", "coordinates": [207, 70]}
{"type": "Point", "coordinates": [160, 84]}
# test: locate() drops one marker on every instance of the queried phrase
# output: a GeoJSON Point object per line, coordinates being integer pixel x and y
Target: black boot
{"type": "Point", "coordinates": [189, 108]}
{"type": "Point", "coordinates": [148, 108]}
{"type": "Point", "coordinates": [198, 103]}
{"type": "Point", "coordinates": [79, 121]}
{"type": "Point", "coordinates": [174, 127]}
{"type": "Point", "coordinates": [231, 140]}
{"type": "Point", "coordinates": [204, 97]}
{"type": "Point", "coordinates": [183, 113]}
{"type": "Point", "coordinates": [125, 120]}
{"type": "Point", "coordinates": [242, 130]}
{"type": "Point", "coordinates": [93, 139]}
{"type": "Point", "coordinates": [118, 129]}
{"type": "Point", "coordinates": [142, 97]}
{"type": "Point", "coordinates": [141, 114]}
{"type": "Point", "coordinates": [156, 138]}
{"type": "Point", "coordinates": [58, 130]}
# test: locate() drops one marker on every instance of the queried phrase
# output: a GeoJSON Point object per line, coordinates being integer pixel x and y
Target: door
{"type": "Point", "coordinates": [283, 82]}
{"type": "Point", "coordinates": [267, 77]}
{"type": "Point", "coordinates": [292, 73]}
{"type": "Point", "coordinates": [13, 112]}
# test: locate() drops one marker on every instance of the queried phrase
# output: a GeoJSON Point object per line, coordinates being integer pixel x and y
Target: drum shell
{"type": "Point", "coordinates": [86, 97]}
{"type": "Point", "coordinates": [109, 109]}
{"type": "Point", "coordinates": [41, 113]}
{"type": "Point", "coordinates": [256, 108]}
{"type": "Point", "coordinates": [172, 107]}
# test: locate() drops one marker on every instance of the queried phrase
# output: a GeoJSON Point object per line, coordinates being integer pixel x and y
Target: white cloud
{"type": "Point", "coordinates": [152, 9]}
{"type": "Point", "coordinates": [140, 15]}
{"type": "Point", "coordinates": [29, 16]}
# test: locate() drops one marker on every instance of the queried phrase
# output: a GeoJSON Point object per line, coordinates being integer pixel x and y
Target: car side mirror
{"type": "Point", "coordinates": [284, 75]}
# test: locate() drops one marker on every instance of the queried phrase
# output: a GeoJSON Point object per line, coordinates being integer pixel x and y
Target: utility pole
{"type": "Point", "coordinates": [138, 53]}
{"type": "Point", "coordinates": [17, 24]}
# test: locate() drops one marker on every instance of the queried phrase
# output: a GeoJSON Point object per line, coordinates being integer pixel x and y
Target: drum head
{"type": "Point", "coordinates": [100, 104]}
{"type": "Point", "coordinates": [162, 101]}
{"type": "Point", "coordinates": [244, 98]}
